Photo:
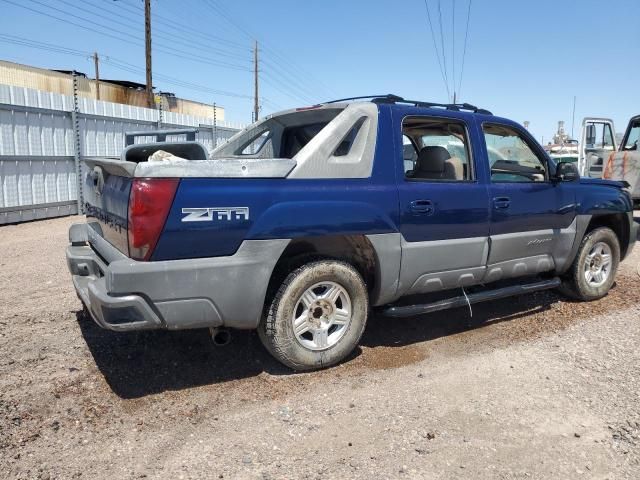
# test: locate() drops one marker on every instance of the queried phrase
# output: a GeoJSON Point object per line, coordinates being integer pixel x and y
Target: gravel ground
{"type": "Point", "coordinates": [529, 387]}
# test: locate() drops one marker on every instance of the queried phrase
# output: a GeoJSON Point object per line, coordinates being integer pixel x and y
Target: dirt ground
{"type": "Point", "coordinates": [529, 387]}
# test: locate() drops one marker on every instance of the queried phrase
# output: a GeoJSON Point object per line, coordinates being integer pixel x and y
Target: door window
{"type": "Point", "coordinates": [511, 159]}
{"type": "Point", "coordinates": [409, 153]}
{"type": "Point", "coordinates": [435, 150]}
{"type": "Point", "coordinates": [631, 142]}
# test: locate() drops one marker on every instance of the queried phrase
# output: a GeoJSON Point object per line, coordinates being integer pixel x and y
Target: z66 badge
{"type": "Point", "coordinates": [210, 214]}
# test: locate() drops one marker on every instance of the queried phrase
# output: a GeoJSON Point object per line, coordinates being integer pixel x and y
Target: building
{"type": "Point", "coordinates": [117, 91]}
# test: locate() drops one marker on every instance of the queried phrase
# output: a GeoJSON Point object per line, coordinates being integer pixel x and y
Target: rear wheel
{"type": "Point", "coordinates": [317, 316]}
{"type": "Point", "coordinates": [593, 271]}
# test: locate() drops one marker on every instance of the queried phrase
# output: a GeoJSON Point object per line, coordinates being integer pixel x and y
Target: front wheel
{"type": "Point", "coordinates": [593, 271]}
{"type": "Point", "coordinates": [317, 316]}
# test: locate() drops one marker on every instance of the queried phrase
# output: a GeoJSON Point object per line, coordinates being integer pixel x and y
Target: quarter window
{"type": "Point", "coordinates": [260, 146]}
{"type": "Point", "coordinates": [435, 150]}
{"type": "Point", "coordinates": [510, 157]}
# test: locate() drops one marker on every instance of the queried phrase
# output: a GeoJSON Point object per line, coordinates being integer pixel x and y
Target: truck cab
{"type": "Point", "coordinates": [624, 164]}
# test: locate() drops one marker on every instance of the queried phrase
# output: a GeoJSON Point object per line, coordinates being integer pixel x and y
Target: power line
{"type": "Point", "coordinates": [117, 63]}
{"type": "Point", "coordinates": [290, 68]}
{"type": "Point", "coordinates": [464, 51]}
{"type": "Point", "coordinates": [179, 26]}
{"type": "Point", "coordinates": [122, 65]}
{"type": "Point", "coordinates": [289, 81]}
{"type": "Point", "coordinates": [126, 33]}
{"type": "Point", "coordinates": [435, 46]}
{"type": "Point", "coordinates": [297, 97]}
{"type": "Point", "coordinates": [444, 55]}
{"type": "Point", "coordinates": [42, 46]}
{"type": "Point", "coordinates": [293, 77]}
{"type": "Point", "coordinates": [274, 105]}
{"type": "Point", "coordinates": [295, 72]}
{"type": "Point", "coordinates": [266, 77]}
{"type": "Point", "coordinates": [172, 38]}
{"type": "Point", "coordinates": [169, 51]}
{"type": "Point", "coordinates": [453, 49]}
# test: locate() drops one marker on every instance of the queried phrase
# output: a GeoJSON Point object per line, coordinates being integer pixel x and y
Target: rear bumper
{"type": "Point", "coordinates": [128, 295]}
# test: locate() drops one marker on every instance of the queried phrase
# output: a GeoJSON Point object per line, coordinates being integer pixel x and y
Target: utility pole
{"type": "Point", "coordinates": [256, 103]}
{"type": "Point", "coordinates": [96, 62]}
{"type": "Point", "coordinates": [573, 115]}
{"type": "Point", "coordinates": [147, 44]}
{"type": "Point", "coordinates": [215, 126]}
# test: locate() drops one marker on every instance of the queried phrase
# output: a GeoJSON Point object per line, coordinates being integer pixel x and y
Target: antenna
{"type": "Point", "coordinates": [573, 115]}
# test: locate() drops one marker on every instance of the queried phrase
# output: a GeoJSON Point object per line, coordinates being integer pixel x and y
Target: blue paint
{"type": "Point", "coordinates": [294, 208]}
{"type": "Point", "coordinates": [278, 208]}
{"type": "Point", "coordinates": [460, 209]}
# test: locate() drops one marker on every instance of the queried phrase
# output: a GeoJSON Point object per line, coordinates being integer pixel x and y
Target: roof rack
{"type": "Point", "coordinates": [362, 97]}
{"type": "Point", "coordinates": [390, 98]}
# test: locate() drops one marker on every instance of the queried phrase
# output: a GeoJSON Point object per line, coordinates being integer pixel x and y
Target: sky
{"type": "Point", "coordinates": [524, 60]}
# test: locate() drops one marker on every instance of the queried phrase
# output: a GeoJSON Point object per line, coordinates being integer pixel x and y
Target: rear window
{"type": "Point", "coordinates": [294, 139]}
{"type": "Point", "coordinates": [282, 136]}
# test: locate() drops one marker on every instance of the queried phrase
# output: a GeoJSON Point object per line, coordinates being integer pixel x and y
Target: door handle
{"type": "Point", "coordinates": [501, 203]}
{"type": "Point", "coordinates": [422, 207]}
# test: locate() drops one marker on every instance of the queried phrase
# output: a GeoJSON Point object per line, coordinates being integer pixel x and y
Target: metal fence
{"type": "Point", "coordinates": [44, 135]}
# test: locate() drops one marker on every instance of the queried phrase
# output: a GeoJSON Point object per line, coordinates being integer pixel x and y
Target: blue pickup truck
{"type": "Point", "coordinates": [302, 223]}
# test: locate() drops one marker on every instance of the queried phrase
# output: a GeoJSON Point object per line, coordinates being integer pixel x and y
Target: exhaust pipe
{"type": "Point", "coordinates": [220, 336]}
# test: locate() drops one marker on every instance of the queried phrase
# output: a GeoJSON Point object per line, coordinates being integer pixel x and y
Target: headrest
{"type": "Point", "coordinates": [431, 159]}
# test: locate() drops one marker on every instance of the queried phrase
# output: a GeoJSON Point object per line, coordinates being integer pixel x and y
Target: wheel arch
{"type": "Point", "coordinates": [375, 257]}
{"type": "Point", "coordinates": [618, 222]}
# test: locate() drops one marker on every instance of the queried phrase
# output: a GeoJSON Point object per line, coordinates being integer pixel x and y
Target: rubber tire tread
{"type": "Point", "coordinates": [275, 330]}
{"type": "Point", "coordinates": [574, 284]}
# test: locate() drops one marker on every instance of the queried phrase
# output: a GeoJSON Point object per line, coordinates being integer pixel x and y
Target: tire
{"type": "Point", "coordinates": [597, 247]}
{"type": "Point", "coordinates": [317, 316]}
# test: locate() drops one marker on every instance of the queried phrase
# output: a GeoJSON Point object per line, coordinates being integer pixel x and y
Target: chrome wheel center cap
{"type": "Point", "coordinates": [597, 267]}
{"type": "Point", "coordinates": [322, 315]}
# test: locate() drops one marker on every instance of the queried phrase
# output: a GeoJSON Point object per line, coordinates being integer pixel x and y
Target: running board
{"type": "Point", "coordinates": [463, 301]}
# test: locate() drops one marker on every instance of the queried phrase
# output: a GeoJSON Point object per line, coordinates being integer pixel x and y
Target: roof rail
{"type": "Point", "coordinates": [390, 98]}
{"type": "Point", "coordinates": [362, 97]}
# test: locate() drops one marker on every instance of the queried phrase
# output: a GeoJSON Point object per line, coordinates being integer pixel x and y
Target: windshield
{"type": "Point", "coordinates": [631, 142]}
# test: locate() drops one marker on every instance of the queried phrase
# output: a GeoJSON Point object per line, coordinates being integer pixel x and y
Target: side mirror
{"type": "Point", "coordinates": [567, 172]}
{"type": "Point", "coordinates": [591, 134]}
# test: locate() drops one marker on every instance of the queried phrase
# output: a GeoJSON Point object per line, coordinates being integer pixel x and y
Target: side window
{"type": "Point", "coordinates": [631, 142]}
{"type": "Point", "coordinates": [510, 157]}
{"type": "Point", "coordinates": [435, 149]}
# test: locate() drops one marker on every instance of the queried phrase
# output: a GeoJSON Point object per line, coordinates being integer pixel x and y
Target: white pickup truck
{"type": "Point", "coordinates": [624, 164]}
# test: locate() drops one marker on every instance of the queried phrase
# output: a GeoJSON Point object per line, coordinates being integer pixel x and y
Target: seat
{"type": "Point", "coordinates": [455, 167]}
{"type": "Point", "coordinates": [435, 163]}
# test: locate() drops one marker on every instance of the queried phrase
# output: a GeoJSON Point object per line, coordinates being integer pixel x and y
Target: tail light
{"type": "Point", "coordinates": [149, 204]}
